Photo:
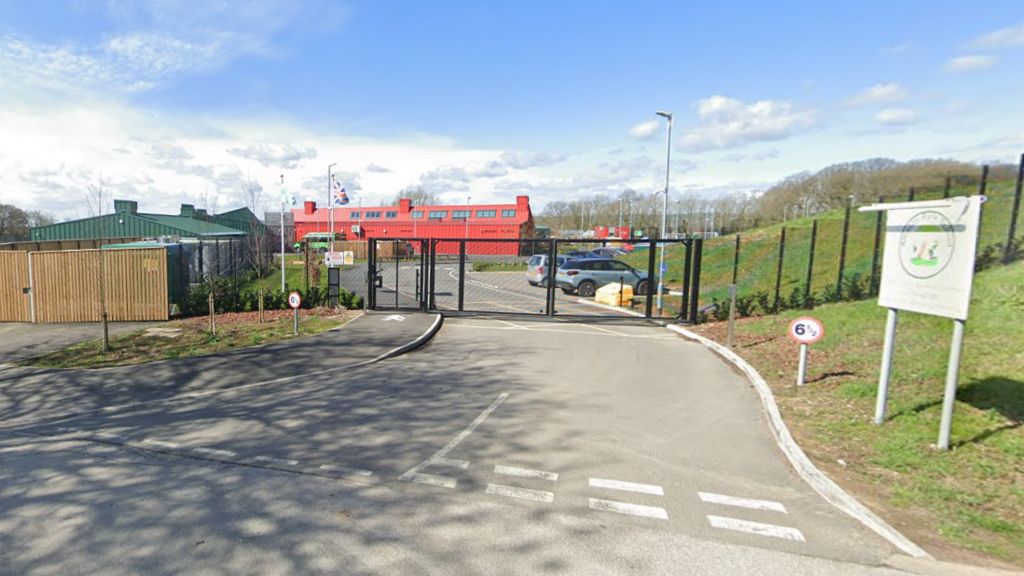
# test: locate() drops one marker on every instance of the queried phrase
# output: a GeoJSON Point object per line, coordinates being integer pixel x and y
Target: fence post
{"type": "Point", "coordinates": [982, 185]}
{"type": "Point", "coordinates": [945, 189]}
{"type": "Point", "coordinates": [736, 260]}
{"type": "Point", "coordinates": [874, 255]}
{"type": "Point", "coordinates": [778, 269]}
{"type": "Point", "coordinates": [462, 274]}
{"type": "Point", "coordinates": [686, 278]}
{"type": "Point", "coordinates": [808, 299]}
{"type": "Point", "coordinates": [371, 273]}
{"type": "Point", "coordinates": [695, 285]}
{"type": "Point", "coordinates": [842, 252]}
{"type": "Point", "coordinates": [649, 308]}
{"type": "Point", "coordinates": [549, 300]}
{"type": "Point", "coordinates": [1008, 251]}
{"type": "Point", "coordinates": [910, 195]}
{"type": "Point", "coordinates": [433, 266]}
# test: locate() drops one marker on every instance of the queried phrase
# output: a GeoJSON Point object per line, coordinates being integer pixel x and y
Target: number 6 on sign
{"type": "Point", "coordinates": [805, 330]}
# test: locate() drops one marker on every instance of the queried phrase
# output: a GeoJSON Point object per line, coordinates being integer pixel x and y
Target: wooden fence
{"type": "Point", "coordinates": [72, 286]}
{"type": "Point", "coordinates": [14, 300]}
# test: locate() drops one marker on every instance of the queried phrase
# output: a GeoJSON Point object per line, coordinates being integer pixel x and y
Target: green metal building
{"type": "Point", "coordinates": [128, 222]}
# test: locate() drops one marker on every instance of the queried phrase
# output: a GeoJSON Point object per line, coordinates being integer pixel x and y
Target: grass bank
{"type": "Point", "coordinates": [966, 504]}
{"type": "Point", "coordinates": [236, 330]}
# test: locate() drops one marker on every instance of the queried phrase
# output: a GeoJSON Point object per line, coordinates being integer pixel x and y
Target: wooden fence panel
{"type": "Point", "coordinates": [14, 302]}
{"type": "Point", "coordinates": [67, 285]}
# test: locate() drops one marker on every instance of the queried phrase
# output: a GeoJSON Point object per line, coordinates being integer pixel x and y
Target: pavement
{"type": "Point", "coordinates": [502, 446]}
{"type": "Point", "coordinates": [21, 340]}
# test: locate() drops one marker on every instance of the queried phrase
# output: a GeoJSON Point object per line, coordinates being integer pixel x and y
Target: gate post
{"type": "Point", "coordinates": [649, 308]}
{"type": "Point", "coordinates": [431, 303]}
{"type": "Point", "coordinates": [687, 266]}
{"type": "Point", "coordinates": [549, 301]}
{"type": "Point", "coordinates": [462, 274]}
{"type": "Point", "coordinates": [695, 285]}
{"type": "Point", "coordinates": [371, 274]}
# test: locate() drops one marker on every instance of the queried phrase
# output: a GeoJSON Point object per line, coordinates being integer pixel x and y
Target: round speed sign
{"type": "Point", "coordinates": [294, 300]}
{"type": "Point", "coordinates": [806, 330]}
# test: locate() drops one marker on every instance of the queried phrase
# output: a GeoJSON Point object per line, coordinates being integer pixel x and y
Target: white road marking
{"type": "Point", "coordinates": [457, 440]}
{"type": "Point", "coordinates": [64, 430]}
{"type": "Point", "coordinates": [346, 470]}
{"type": "Point", "coordinates": [521, 493]}
{"type": "Point", "coordinates": [215, 452]}
{"type": "Point", "coordinates": [108, 436]}
{"type": "Point", "coordinates": [160, 443]}
{"type": "Point", "coordinates": [627, 486]}
{"type": "Point", "coordinates": [526, 473]}
{"type": "Point", "coordinates": [742, 502]}
{"type": "Point", "coordinates": [631, 509]}
{"type": "Point", "coordinates": [434, 480]}
{"type": "Point", "coordinates": [757, 528]}
{"type": "Point", "coordinates": [272, 460]}
{"type": "Point", "coordinates": [451, 463]}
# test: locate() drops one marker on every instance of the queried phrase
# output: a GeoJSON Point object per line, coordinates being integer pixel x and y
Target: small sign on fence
{"type": "Point", "coordinates": [338, 259]}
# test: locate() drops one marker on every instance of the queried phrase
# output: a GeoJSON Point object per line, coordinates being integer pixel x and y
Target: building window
{"type": "Point", "coordinates": [460, 214]}
{"type": "Point", "coordinates": [438, 214]}
{"type": "Point", "coordinates": [508, 213]}
{"type": "Point", "coordinates": [390, 214]}
{"type": "Point", "coordinates": [486, 213]}
{"type": "Point", "coordinates": [370, 214]}
{"type": "Point", "coordinates": [417, 214]}
{"type": "Point", "coordinates": [354, 214]}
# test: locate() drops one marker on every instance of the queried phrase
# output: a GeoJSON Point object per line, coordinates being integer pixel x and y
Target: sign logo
{"type": "Point", "coordinates": [926, 243]}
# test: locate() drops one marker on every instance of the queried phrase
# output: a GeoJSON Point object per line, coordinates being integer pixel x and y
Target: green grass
{"type": "Point", "coordinates": [195, 339]}
{"type": "Point", "coordinates": [295, 277]}
{"type": "Point", "coordinates": [759, 249]}
{"type": "Point", "coordinates": [499, 266]}
{"type": "Point", "coordinates": [971, 497]}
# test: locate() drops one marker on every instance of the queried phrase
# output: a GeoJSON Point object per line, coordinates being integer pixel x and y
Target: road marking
{"type": "Point", "coordinates": [272, 460]}
{"type": "Point", "coordinates": [627, 486]}
{"type": "Point", "coordinates": [451, 463]}
{"type": "Point", "coordinates": [64, 430]}
{"type": "Point", "coordinates": [526, 473]}
{"type": "Point", "coordinates": [108, 436]}
{"type": "Point", "coordinates": [457, 440]}
{"type": "Point", "coordinates": [631, 509]}
{"type": "Point", "coordinates": [433, 480]}
{"type": "Point", "coordinates": [215, 452]}
{"type": "Point", "coordinates": [346, 470]}
{"type": "Point", "coordinates": [757, 528]}
{"type": "Point", "coordinates": [160, 443]}
{"type": "Point", "coordinates": [521, 493]}
{"type": "Point", "coordinates": [742, 502]}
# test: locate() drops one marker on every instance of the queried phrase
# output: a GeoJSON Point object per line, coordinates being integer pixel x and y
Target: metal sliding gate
{"type": "Point", "coordinates": [515, 276]}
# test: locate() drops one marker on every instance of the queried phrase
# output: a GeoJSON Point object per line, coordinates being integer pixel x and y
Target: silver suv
{"type": "Point", "coordinates": [584, 277]}
{"type": "Point", "coordinates": [537, 269]}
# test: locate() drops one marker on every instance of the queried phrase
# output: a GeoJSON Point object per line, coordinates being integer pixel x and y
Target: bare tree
{"type": "Point", "coordinates": [419, 196]}
{"type": "Point", "coordinates": [258, 239]}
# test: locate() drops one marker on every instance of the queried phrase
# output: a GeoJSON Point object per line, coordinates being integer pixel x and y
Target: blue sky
{"type": "Point", "coordinates": [169, 101]}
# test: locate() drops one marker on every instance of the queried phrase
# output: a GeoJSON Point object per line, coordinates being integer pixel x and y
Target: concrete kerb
{"type": "Point", "coordinates": [817, 479]}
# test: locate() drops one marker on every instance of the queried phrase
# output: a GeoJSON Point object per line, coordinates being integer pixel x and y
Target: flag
{"type": "Point", "coordinates": [340, 197]}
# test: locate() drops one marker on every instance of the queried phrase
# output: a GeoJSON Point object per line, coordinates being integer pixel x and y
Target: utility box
{"type": "Point", "coordinates": [614, 294]}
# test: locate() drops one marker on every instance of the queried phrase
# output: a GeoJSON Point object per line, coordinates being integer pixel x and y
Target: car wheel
{"type": "Point", "coordinates": [586, 289]}
{"type": "Point", "coordinates": [532, 283]}
{"type": "Point", "coordinates": [567, 290]}
{"type": "Point", "coordinates": [641, 288]}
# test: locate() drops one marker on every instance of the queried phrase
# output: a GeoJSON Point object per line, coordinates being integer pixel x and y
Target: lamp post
{"type": "Point", "coordinates": [284, 200]}
{"type": "Point", "coordinates": [664, 207]}
{"type": "Point", "coordinates": [330, 203]}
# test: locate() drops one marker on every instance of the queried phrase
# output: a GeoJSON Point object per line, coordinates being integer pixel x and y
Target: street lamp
{"type": "Point", "coordinates": [664, 206]}
{"type": "Point", "coordinates": [330, 204]}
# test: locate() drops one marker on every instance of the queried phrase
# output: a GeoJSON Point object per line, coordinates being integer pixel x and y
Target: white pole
{"type": "Point", "coordinates": [282, 233]}
{"type": "Point", "coordinates": [664, 212]}
{"type": "Point", "coordinates": [952, 376]}
{"type": "Point", "coordinates": [886, 370]}
{"type": "Point", "coordinates": [801, 372]}
{"type": "Point", "coordinates": [330, 206]}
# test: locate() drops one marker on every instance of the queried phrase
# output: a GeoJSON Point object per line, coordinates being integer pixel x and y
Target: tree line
{"type": "Point", "coordinates": [15, 222]}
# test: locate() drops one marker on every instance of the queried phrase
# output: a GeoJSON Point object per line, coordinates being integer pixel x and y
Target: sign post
{"type": "Point", "coordinates": [295, 300]}
{"type": "Point", "coordinates": [805, 331]}
{"type": "Point", "coordinates": [928, 267]}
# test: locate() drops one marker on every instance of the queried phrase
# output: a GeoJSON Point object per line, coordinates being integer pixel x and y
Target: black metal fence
{"type": "Point", "coordinates": [655, 278]}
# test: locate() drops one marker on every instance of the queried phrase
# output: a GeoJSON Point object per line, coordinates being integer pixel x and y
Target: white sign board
{"type": "Point", "coordinates": [928, 264]}
{"type": "Point", "coordinates": [294, 300]}
{"type": "Point", "coordinates": [806, 330]}
{"type": "Point", "coordinates": [336, 259]}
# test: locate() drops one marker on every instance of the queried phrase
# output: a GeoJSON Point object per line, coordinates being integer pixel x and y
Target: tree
{"type": "Point", "coordinates": [96, 198]}
{"type": "Point", "coordinates": [258, 240]}
{"type": "Point", "coordinates": [14, 223]}
{"type": "Point", "coordinates": [419, 196]}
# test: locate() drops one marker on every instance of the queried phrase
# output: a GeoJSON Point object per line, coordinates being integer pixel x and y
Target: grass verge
{"type": "Point", "coordinates": [233, 331]}
{"type": "Point", "coordinates": [966, 504]}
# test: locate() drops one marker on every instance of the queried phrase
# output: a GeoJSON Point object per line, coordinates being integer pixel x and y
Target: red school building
{"type": "Point", "coordinates": [484, 221]}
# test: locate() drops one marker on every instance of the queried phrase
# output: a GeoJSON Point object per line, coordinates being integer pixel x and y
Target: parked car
{"type": "Point", "coordinates": [537, 269]}
{"type": "Point", "coordinates": [578, 254]}
{"type": "Point", "coordinates": [606, 252]}
{"type": "Point", "coordinates": [584, 277]}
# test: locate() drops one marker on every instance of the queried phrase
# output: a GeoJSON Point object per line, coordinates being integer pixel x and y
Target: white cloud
{"type": "Point", "coordinates": [376, 168]}
{"type": "Point", "coordinates": [898, 48]}
{"type": "Point", "coordinates": [645, 130]}
{"type": "Point", "coordinates": [729, 123]}
{"type": "Point", "coordinates": [896, 117]}
{"type": "Point", "coordinates": [525, 160]}
{"type": "Point", "coordinates": [879, 94]}
{"type": "Point", "coordinates": [970, 63]}
{"type": "Point", "coordinates": [275, 155]}
{"type": "Point", "coordinates": [1002, 38]}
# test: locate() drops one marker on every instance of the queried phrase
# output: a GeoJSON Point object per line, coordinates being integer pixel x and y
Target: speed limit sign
{"type": "Point", "coordinates": [294, 300]}
{"type": "Point", "coordinates": [806, 330]}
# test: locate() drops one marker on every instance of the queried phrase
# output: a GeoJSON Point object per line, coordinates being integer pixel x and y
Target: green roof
{"type": "Point", "coordinates": [191, 226]}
